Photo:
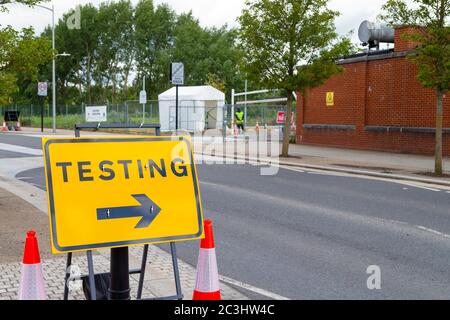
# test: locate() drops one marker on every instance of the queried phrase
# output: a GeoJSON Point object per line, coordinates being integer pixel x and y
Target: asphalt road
{"type": "Point", "coordinates": [312, 236]}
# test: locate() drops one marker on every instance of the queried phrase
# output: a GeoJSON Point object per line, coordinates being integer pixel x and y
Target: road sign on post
{"type": "Point", "coordinates": [177, 73]}
{"type": "Point", "coordinates": [42, 92]}
{"type": "Point", "coordinates": [281, 117]}
{"type": "Point", "coordinates": [114, 192]}
{"type": "Point", "coordinates": [143, 97]}
{"type": "Point", "coordinates": [42, 89]}
{"type": "Point", "coordinates": [97, 114]}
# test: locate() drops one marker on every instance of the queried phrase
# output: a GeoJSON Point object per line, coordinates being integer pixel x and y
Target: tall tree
{"type": "Point", "coordinates": [224, 57]}
{"type": "Point", "coordinates": [115, 52]}
{"type": "Point", "coordinates": [154, 43]}
{"type": "Point", "coordinates": [8, 80]}
{"type": "Point", "coordinates": [191, 49]}
{"type": "Point", "coordinates": [9, 39]}
{"type": "Point", "coordinates": [22, 55]}
{"type": "Point", "coordinates": [432, 54]}
{"type": "Point", "coordinates": [290, 45]}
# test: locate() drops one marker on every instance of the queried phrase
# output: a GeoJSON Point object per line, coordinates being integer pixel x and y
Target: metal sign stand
{"type": "Point", "coordinates": [119, 288]}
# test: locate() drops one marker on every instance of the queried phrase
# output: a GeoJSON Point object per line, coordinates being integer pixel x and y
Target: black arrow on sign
{"type": "Point", "coordinates": [148, 210]}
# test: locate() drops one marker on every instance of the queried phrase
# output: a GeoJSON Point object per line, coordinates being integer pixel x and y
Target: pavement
{"type": "Point", "coordinates": [306, 233]}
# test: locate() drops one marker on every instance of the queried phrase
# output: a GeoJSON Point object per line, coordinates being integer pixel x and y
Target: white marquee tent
{"type": "Point", "coordinates": [200, 108]}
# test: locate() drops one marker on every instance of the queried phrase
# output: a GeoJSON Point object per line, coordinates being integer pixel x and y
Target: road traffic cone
{"type": "Point", "coordinates": [207, 282]}
{"type": "Point", "coordinates": [293, 126]}
{"type": "Point", "coordinates": [4, 127]}
{"type": "Point", "coordinates": [257, 125]}
{"type": "Point", "coordinates": [235, 130]}
{"type": "Point", "coordinates": [32, 278]}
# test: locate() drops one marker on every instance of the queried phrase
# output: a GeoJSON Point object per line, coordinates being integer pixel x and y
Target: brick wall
{"type": "Point", "coordinates": [369, 97]}
{"type": "Point", "coordinates": [402, 43]}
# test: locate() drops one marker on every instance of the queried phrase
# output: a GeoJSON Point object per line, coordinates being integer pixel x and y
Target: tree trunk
{"type": "Point", "coordinates": [287, 126]}
{"type": "Point", "coordinates": [438, 152]}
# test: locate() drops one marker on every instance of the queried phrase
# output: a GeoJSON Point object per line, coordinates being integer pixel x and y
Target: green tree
{"type": "Point", "coordinates": [190, 48]}
{"type": "Point", "coordinates": [8, 47]}
{"type": "Point", "coordinates": [207, 52]}
{"type": "Point", "coordinates": [290, 45]}
{"type": "Point", "coordinates": [115, 52]}
{"type": "Point", "coordinates": [22, 55]}
{"type": "Point", "coordinates": [432, 55]}
{"type": "Point", "coordinates": [154, 43]}
{"type": "Point", "coordinates": [30, 55]}
{"type": "Point", "coordinates": [8, 85]}
{"type": "Point", "coordinates": [215, 81]}
{"type": "Point", "coordinates": [224, 57]}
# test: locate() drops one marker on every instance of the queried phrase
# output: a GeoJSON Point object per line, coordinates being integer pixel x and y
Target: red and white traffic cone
{"type": "Point", "coordinates": [235, 130]}
{"type": "Point", "coordinates": [4, 127]}
{"type": "Point", "coordinates": [207, 282]}
{"type": "Point", "coordinates": [257, 125]}
{"type": "Point", "coordinates": [32, 278]}
{"type": "Point", "coordinates": [18, 127]}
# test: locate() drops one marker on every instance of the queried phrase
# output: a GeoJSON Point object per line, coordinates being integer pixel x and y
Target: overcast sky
{"type": "Point", "coordinates": [209, 12]}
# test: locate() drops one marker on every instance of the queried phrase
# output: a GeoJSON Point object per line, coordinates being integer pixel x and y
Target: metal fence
{"type": "Point", "coordinates": [68, 115]}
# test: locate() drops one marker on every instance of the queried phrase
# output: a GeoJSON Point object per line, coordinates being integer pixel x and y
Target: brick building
{"type": "Point", "coordinates": [377, 103]}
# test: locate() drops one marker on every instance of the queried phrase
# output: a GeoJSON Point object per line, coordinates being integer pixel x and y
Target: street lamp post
{"type": "Point", "coordinates": [52, 10]}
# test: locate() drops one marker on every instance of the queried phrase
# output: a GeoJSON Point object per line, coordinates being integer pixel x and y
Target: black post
{"type": "Point", "coordinates": [120, 277]}
{"type": "Point", "coordinates": [176, 108]}
{"type": "Point", "coordinates": [66, 282]}
{"type": "Point", "coordinates": [42, 115]}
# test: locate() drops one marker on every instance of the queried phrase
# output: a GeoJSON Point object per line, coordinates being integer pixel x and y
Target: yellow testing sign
{"type": "Point", "coordinates": [120, 191]}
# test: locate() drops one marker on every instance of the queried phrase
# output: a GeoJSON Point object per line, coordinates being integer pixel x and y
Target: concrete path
{"type": "Point", "coordinates": [338, 156]}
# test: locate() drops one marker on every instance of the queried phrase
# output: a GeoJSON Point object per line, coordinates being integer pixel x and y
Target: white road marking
{"type": "Point", "coordinates": [293, 169]}
{"type": "Point", "coordinates": [412, 184]}
{"type": "Point", "coordinates": [251, 288]}
{"type": "Point", "coordinates": [20, 149]}
{"type": "Point", "coordinates": [403, 182]}
{"type": "Point", "coordinates": [433, 231]}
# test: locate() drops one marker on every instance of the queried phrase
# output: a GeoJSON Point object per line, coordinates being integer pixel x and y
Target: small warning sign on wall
{"type": "Point", "coordinates": [330, 99]}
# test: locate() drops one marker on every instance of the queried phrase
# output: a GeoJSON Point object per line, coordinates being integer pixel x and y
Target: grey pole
{"type": "Point", "coordinates": [54, 69]}
{"type": "Point", "coordinates": [143, 105]}
{"type": "Point", "coordinates": [176, 108]}
{"type": "Point", "coordinates": [245, 107]}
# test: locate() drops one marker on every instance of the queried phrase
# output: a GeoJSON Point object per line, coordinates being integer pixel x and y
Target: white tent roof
{"type": "Point", "coordinates": [207, 93]}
